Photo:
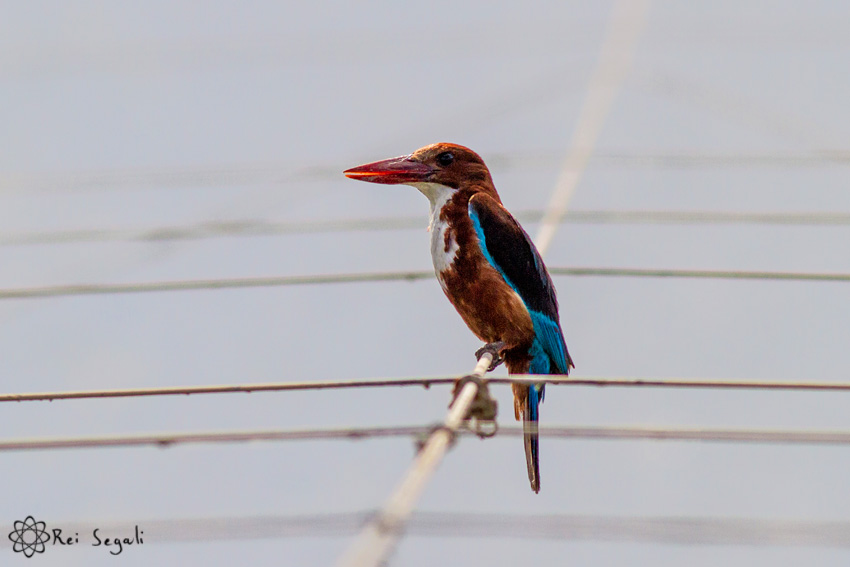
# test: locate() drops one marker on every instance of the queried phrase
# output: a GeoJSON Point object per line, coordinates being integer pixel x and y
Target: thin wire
{"type": "Point", "coordinates": [688, 530]}
{"type": "Point", "coordinates": [625, 433]}
{"type": "Point", "coordinates": [70, 290]}
{"type": "Point", "coordinates": [186, 285]}
{"type": "Point", "coordinates": [700, 274]}
{"type": "Point", "coordinates": [253, 227]}
{"type": "Point", "coordinates": [815, 158]}
{"type": "Point", "coordinates": [171, 439]}
{"type": "Point", "coordinates": [223, 389]}
{"type": "Point", "coordinates": [708, 217]}
{"type": "Point", "coordinates": [281, 174]}
{"type": "Point", "coordinates": [427, 382]}
{"type": "Point", "coordinates": [675, 530]}
{"type": "Point", "coordinates": [624, 27]}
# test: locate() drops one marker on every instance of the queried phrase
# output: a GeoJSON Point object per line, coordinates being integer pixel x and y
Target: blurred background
{"type": "Point", "coordinates": [169, 141]}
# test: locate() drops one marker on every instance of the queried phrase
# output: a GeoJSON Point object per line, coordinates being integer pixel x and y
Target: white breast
{"type": "Point", "coordinates": [443, 256]}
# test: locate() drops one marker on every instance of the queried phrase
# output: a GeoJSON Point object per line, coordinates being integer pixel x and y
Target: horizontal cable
{"type": "Point", "coordinates": [700, 274]}
{"type": "Point", "coordinates": [278, 174]}
{"type": "Point", "coordinates": [224, 389]}
{"type": "Point", "coordinates": [671, 530]}
{"type": "Point", "coordinates": [413, 275]}
{"type": "Point", "coordinates": [356, 433]}
{"type": "Point", "coordinates": [165, 440]}
{"type": "Point", "coordinates": [254, 227]}
{"type": "Point", "coordinates": [426, 382]}
{"type": "Point", "coordinates": [209, 284]}
{"type": "Point", "coordinates": [679, 530]}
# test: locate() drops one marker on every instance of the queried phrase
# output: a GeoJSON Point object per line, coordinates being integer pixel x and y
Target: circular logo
{"type": "Point", "coordinates": [29, 537]}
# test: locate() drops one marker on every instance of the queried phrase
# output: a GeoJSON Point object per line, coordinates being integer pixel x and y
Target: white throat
{"type": "Point", "coordinates": [438, 195]}
{"type": "Point", "coordinates": [443, 256]}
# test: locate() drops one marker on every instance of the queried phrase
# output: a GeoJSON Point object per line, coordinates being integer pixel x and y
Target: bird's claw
{"type": "Point", "coordinates": [495, 350]}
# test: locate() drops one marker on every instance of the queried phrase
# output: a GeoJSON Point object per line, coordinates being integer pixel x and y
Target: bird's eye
{"type": "Point", "coordinates": [445, 159]}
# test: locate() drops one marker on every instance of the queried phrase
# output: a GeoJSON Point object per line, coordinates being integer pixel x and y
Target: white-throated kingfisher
{"type": "Point", "coordinates": [489, 269]}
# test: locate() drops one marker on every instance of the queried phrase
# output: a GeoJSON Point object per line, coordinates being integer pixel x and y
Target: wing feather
{"type": "Point", "coordinates": [509, 249]}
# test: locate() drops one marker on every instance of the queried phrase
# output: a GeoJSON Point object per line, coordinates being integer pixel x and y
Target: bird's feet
{"type": "Point", "coordinates": [495, 349]}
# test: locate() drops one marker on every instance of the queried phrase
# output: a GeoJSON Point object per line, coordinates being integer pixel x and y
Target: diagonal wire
{"type": "Point", "coordinates": [624, 28]}
{"type": "Point", "coordinates": [379, 538]}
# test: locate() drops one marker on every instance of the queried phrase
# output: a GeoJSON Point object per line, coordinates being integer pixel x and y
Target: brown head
{"type": "Point", "coordinates": [443, 164]}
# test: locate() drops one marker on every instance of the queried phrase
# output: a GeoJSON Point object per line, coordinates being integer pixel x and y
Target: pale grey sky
{"type": "Point", "coordinates": [136, 115]}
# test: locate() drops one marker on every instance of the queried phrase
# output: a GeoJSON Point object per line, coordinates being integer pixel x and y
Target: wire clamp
{"type": "Point", "coordinates": [386, 523]}
{"type": "Point", "coordinates": [481, 417]}
{"type": "Point", "coordinates": [423, 438]}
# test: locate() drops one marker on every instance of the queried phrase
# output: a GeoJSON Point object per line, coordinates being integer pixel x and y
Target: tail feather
{"type": "Point", "coordinates": [527, 400]}
{"type": "Point", "coordinates": [531, 437]}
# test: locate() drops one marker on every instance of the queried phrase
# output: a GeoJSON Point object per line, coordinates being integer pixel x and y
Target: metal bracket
{"type": "Point", "coordinates": [422, 438]}
{"type": "Point", "coordinates": [481, 416]}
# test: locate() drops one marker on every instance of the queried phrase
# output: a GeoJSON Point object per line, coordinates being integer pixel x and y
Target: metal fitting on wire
{"type": "Point", "coordinates": [484, 409]}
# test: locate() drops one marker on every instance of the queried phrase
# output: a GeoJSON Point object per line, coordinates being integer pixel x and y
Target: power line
{"type": "Point", "coordinates": [630, 433]}
{"type": "Point", "coordinates": [69, 290]}
{"type": "Point", "coordinates": [224, 389]}
{"type": "Point", "coordinates": [709, 217]}
{"type": "Point", "coordinates": [209, 284]}
{"type": "Point", "coordinates": [170, 439]}
{"type": "Point", "coordinates": [680, 160]}
{"type": "Point", "coordinates": [279, 174]}
{"type": "Point", "coordinates": [700, 274]}
{"type": "Point", "coordinates": [672, 530]}
{"type": "Point", "coordinates": [426, 382]}
{"type": "Point", "coordinates": [255, 227]}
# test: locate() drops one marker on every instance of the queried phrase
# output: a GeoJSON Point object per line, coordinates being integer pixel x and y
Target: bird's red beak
{"type": "Point", "coordinates": [391, 171]}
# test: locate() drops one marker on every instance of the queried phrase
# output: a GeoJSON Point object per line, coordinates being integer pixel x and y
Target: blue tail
{"type": "Point", "coordinates": [530, 436]}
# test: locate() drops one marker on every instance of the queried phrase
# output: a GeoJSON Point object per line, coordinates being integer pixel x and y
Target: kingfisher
{"type": "Point", "coordinates": [488, 268]}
